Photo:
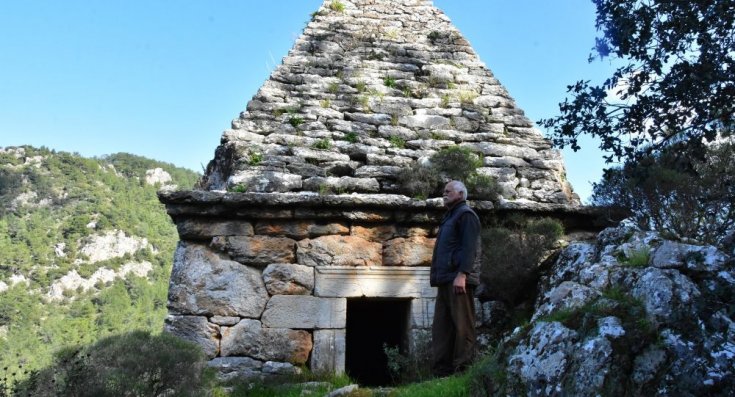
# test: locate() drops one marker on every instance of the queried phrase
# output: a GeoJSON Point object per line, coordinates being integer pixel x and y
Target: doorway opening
{"type": "Point", "coordinates": [372, 324]}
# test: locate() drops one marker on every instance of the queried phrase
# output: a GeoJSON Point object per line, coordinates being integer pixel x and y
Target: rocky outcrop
{"type": "Point", "coordinates": [629, 314]}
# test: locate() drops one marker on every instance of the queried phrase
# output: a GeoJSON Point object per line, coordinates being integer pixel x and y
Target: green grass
{"type": "Point", "coordinates": [337, 6]}
{"type": "Point", "coordinates": [453, 386]}
{"type": "Point", "coordinates": [637, 258]}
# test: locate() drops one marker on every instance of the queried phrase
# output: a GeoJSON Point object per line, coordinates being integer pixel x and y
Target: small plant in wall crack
{"type": "Point", "coordinates": [337, 6]}
{"type": "Point", "coordinates": [295, 121]}
{"type": "Point", "coordinates": [323, 144]}
{"type": "Point", "coordinates": [389, 82]}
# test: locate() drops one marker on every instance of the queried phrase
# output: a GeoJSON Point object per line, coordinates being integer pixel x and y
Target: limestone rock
{"type": "Point", "coordinates": [236, 368]}
{"type": "Point", "coordinates": [288, 279]}
{"type": "Point", "coordinates": [258, 251]}
{"type": "Point", "coordinates": [202, 229]}
{"type": "Point", "coordinates": [412, 251]}
{"type": "Point", "coordinates": [665, 316]}
{"type": "Point", "coordinates": [305, 312]}
{"type": "Point", "coordinates": [204, 284]}
{"type": "Point", "coordinates": [197, 330]}
{"type": "Point", "coordinates": [250, 338]}
{"type": "Point", "coordinates": [299, 230]}
{"type": "Point", "coordinates": [339, 251]}
{"type": "Point", "coordinates": [157, 176]}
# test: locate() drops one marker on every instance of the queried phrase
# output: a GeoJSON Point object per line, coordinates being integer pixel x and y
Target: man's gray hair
{"type": "Point", "coordinates": [460, 188]}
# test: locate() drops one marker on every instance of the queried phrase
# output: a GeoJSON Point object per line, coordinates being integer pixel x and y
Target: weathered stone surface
{"type": "Point", "coordinates": [342, 184]}
{"type": "Point", "coordinates": [339, 251]}
{"type": "Point", "coordinates": [328, 355]}
{"type": "Point", "coordinates": [195, 329]}
{"type": "Point", "coordinates": [236, 368]}
{"type": "Point", "coordinates": [204, 284]}
{"type": "Point", "coordinates": [384, 282]}
{"type": "Point", "coordinates": [422, 312]}
{"type": "Point", "coordinates": [250, 338]}
{"type": "Point", "coordinates": [412, 251]}
{"type": "Point", "coordinates": [299, 230]}
{"type": "Point", "coordinates": [377, 233]}
{"type": "Point", "coordinates": [257, 251]}
{"type": "Point", "coordinates": [542, 362]}
{"type": "Point", "coordinates": [265, 181]}
{"type": "Point", "coordinates": [659, 323]}
{"type": "Point", "coordinates": [206, 229]}
{"type": "Point", "coordinates": [224, 320]}
{"type": "Point", "coordinates": [305, 312]}
{"type": "Point", "coordinates": [288, 279]}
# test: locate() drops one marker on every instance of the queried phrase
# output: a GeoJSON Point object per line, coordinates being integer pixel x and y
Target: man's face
{"type": "Point", "coordinates": [451, 195]}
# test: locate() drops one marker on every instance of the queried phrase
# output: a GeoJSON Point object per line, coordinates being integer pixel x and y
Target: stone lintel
{"type": "Point", "coordinates": [373, 281]}
{"type": "Point", "coordinates": [305, 312]}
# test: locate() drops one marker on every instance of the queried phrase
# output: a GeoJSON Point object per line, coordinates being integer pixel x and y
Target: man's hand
{"type": "Point", "coordinates": [459, 283]}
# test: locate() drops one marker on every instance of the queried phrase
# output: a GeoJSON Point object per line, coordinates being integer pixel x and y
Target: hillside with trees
{"type": "Point", "coordinates": [85, 250]}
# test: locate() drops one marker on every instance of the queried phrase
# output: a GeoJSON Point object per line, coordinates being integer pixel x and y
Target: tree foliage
{"type": "Point", "coordinates": [49, 203]}
{"type": "Point", "coordinates": [694, 200]}
{"type": "Point", "coordinates": [676, 83]}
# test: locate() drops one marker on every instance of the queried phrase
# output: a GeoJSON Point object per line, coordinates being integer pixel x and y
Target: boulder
{"type": "Point", "coordinates": [339, 251]}
{"type": "Point", "coordinates": [202, 283]}
{"type": "Point", "coordinates": [258, 251]}
{"type": "Point", "coordinates": [288, 279]}
{"type": "Point", "coordinates": [195, 329]}
{"type": "Point", "coordinates": [411, 251]}
{"type": "Point", "coordinates": [249, 338]}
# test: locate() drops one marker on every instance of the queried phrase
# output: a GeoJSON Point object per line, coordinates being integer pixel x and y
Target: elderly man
{"type": "Point", "coordinates": [455, 268]}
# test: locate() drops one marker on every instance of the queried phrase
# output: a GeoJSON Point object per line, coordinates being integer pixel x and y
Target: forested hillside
{"type": "Point", "coordinates": [85, 250]}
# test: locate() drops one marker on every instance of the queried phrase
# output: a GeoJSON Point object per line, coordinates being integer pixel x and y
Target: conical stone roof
{"type": "Point", "coordinates": [373, 87]}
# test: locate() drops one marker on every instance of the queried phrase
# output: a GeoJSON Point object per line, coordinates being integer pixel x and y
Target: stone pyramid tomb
{"type": "Point", "coordinates": [373, 87]}
{"type": "Point", "coordinates": [301, 248]}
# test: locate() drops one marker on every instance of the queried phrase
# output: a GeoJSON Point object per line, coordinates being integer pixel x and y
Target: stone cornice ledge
{"type": "Point", "coordinates": [386, 201]}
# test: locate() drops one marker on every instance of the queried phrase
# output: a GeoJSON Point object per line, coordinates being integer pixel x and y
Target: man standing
{"type": "Point", "coordinates": [455, 268]}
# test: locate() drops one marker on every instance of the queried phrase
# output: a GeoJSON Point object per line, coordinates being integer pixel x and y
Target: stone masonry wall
{"type": "Point", "coordinates": [374, 88]}
{"type": "Point", "coordinates": [264, 290]}
{"type": "Point", "coordinates": [261, 281]}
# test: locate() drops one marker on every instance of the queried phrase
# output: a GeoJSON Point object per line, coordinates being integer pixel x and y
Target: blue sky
{"type": "Point", "coordinates": [164, 78]}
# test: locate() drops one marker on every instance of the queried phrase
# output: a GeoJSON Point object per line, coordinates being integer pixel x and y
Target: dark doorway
{"type": "Point", "coordinates": [371, 324]}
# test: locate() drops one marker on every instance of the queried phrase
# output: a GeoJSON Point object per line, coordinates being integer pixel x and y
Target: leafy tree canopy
{"type": "Point", "coordinates": [676, 84]}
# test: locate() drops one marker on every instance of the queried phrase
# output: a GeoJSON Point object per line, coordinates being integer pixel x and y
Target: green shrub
{"type": "Point", "coordinates": [351, 137]}
{"type": "Point", "coordinates": [512, 253]}
{"type": "Point", "coordinates": [323, 144]}
{"type": "Point", "coordinates": [134, 364]}
{"type": "Point", "coordinates": [337, 6]}
{"type": "Point", "coordinates": [295, 121]}
{"type": "Point", "coordinates": [638, 257]}
{"type": "Point", "coordinates": [397, 142]}
{"type": "Point", "coordinates": [420, 181]}
{"type": "Point", "coordinates": [389, 82]}
{"type": "Point", "coordinates": [457, 163]}
{"type": "Point", "coordinates": [482, 187]}
{"type": "Point", "coordinates": [692, 198]}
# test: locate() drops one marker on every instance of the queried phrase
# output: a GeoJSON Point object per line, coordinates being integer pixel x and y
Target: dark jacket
{"type": "Point", "coordinates": [457, 247]}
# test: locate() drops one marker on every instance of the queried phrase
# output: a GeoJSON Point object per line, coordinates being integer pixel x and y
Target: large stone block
{"type": "Point", "coordinates": [250, 338]}
{"type": "Point", "coordinates": [204, 284]}
{"type": "Point", "coordinates": [288, 279]}
{"type": "Point", "coordinates": [236, 368]}
{"type": "Point", "coordinates": [328, 355]}
{"type": "Point", "coordinates": [195, 329]}
{"type": "Point", "coordinates": [378, 282]}
{"type": "Point", "coordinates": [305, 312]}
{"type": "Point", "coordinates": [194, 229]}
{"type": "Point", "coordinates": [412, 251]}
{"type": "Point", "coordinates": [300, 230]}
{"type": "Point", "coordinates": [258, 251]}
{"type": "Point", "coordinates": [339, 251]}
{"type": "Point", "coordinates": [374, 233]}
